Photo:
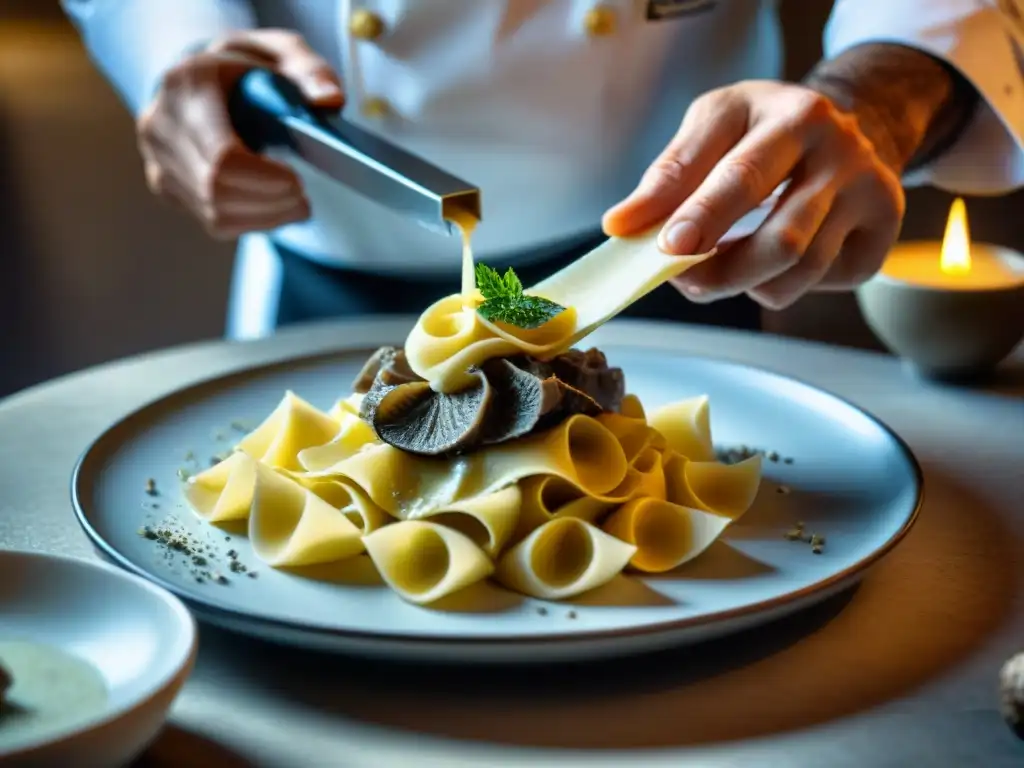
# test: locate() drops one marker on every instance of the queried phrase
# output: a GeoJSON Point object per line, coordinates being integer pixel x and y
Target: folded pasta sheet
{"type": "Point", "coordinates": [224, 491]}
{"type": "Point", "coordinates": [723, 489]}
{"type": "Point", "coordinates": [293, 426]}
{"type": "Point", "coordinates": [665, 535]}
{"type": "Point", "coordinates": [290, 525]}
{"type": "Point", "coordinates": [424, 562]}
{"type": "Point", "coordinates": [563, 558]}
{"type": "Point", "coordinates": [352, 500]}
{"type": "Point", "coordinates": [488, 520]}
{"type": "Point", "coordinates": [350, 436]}
{"type": "Point", "coordinates": [686, 427]}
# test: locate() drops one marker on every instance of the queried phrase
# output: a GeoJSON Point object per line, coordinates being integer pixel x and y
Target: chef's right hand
{"type": "Point", "coordinates": [193, 157]}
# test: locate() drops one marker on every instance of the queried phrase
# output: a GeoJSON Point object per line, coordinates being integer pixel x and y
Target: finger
{"type": "Point", "coordinates": [228, 200]}
{"type": "Point", "coordinates": [151, 168]}
{"type": "Point", "coordinates": [152, 140]}
{"type": "Point", "coordinates": [316, 79]}
{"type": "Point", "coordinates": [154, 177]}
{"type": "Point", "coordinates": [748, 174]}
{"type": "Point", "coordinates": [216, 156]}
{"type": "Point", "coordinates": [861, 257]}
{"type": "Point", "coordinates": [159, 168]}
{"type": "Point", "coordinates": [871, 239]}
{"type": "Point", "coordinates": [227, 226]}
{"type": "Point", "coordinates": [232, 217]}
{"type": "Point", "coordinates": [249, 208]}
{"type": "Point", "coordinates": [202, 117]}
{"type": "Point", "coordinates": [783, 290]}
{"type": "Point", "coordinates": [289, 54]}
{"type": "Point", "coordinates": [777, 245]}
{"type": "Point", "coordinates": [710, 128]}
{"type": "Point", "coordinates": [177, 193]}
{"type": "Point", "coordinates": [256, 176]}
{"type": "Point", "coordinates": [192, 122]}
{"type": "Point", "coordinates": [165, 148]}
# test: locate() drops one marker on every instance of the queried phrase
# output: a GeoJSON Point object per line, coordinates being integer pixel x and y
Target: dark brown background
{"type": "Point", "coordinates": [92, 268]}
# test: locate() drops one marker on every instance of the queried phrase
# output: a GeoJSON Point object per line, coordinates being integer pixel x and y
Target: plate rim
{"type": "Point", "coordinates": [212, 607]}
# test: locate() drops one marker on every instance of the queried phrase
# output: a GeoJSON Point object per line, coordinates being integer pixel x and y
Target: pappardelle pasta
{"type": "Point", "coordinates": [486, 451]}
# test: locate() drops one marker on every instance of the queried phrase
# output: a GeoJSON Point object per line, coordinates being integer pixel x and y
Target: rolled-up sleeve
{"type": "Point", "coordinates": [982, 40]}
{"type": "Point", "coordinates": [134, 42]}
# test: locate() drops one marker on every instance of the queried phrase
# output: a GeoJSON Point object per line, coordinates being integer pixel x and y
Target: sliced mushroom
{"type": "Point", "coordinates": [387, 363]}
{"type": "Point", "coordinates": [510, 398]}
{"type": "Point", "coordinates": [419, 420]}
{"type": "Point", "coordinates": [524, 402]}
{"type": "Point", "coordinates": [589, 372]}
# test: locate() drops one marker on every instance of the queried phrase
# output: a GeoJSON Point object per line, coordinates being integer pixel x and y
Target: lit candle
{"type": "Point", "coordinates": [952, 309]}
{"type": "Point", "coordinates": [955, 264]}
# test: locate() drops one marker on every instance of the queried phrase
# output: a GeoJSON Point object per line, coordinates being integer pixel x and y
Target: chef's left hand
{"type": "Point", "coordinates": [832, 228]}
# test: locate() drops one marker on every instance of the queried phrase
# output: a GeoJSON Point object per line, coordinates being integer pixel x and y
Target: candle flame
{"type": "Point", "coordinates": [955, 258]}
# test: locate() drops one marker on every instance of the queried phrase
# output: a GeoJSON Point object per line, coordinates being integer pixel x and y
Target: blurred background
{"type": "Point", "coordinates": [92, 268]}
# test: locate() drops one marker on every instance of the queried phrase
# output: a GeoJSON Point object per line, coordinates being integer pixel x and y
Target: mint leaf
{"type": "Point", "coordinates": [489, 282]}
{"type": "Point", "coordinates": [497, 309]}
{"type": "Point", "coordinates": [513, 286]}
{"type": "Point", "coordinates": [505, 302]}
{"type": "Point", "coordinates": [536, 310]}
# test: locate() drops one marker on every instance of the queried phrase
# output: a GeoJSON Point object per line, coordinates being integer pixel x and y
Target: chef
{"type": "Point", "coordinates": [577, 119]}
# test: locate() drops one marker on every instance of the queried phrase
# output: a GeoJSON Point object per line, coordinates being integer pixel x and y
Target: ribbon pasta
{"type": "Point", "coordinates": [424, 562]}
{"type": "Point", "coordinates": [293, 426]}
{"type": "Point", "coordinates": [550, 515]}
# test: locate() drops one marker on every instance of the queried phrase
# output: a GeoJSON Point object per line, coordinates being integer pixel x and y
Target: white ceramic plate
{"type": "Point", "coordinates": [851, 480]}
{"type": "Point", "coordinates": [137, 640]}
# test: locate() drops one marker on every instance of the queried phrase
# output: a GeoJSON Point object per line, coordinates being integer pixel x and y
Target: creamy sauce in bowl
{"type": "Point", "coordinates": [49, 692]}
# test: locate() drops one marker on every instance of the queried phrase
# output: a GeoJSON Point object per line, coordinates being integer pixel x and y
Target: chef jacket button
{"type": "Point", "coordinates": [376, 106]}
{"type": "Point", "coordinates": [600, 21]}
{"type": "Point", "coordinates": [365, 25]}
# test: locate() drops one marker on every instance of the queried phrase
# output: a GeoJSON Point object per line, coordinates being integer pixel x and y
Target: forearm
{"type": "Point", "coordinates": [134, 42]}
{"type": "Point", "coordinates": [910, 105]}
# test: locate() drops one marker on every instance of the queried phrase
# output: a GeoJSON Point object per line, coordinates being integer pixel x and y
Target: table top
{"type": "Point", "coordinates": [900, 671]}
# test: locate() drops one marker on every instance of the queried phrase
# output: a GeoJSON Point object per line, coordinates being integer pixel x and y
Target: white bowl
{"type": "Point", "coordinates": [140, 639]}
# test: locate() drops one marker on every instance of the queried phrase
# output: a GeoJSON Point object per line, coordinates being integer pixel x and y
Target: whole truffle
{"type": "Point", "coordinates": [5, 682]}
{"type": "Point", "coordinates": [1011, 689]}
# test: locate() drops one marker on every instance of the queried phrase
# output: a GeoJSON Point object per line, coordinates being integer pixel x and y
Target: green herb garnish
{"type": "Point", "coordinates": [505, 302]}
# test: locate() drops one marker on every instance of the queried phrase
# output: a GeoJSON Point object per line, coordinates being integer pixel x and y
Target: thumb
{"type": "Point", "coordinates": [288, 54]}
{"type": "Point", "coordinates": [318, 82]}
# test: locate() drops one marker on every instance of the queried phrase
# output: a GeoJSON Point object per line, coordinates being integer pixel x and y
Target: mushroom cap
{"type": "Point", "coordinates": [510, 398]}
{"type": "Point", "coordinates": [388, 363]}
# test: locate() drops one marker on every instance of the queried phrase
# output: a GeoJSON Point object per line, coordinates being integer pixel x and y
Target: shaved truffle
{"type": "Point", "coordinates": [589, 372]}
{"type": "Point", "coordinates": [416, 419]}
{"type": "Point", "coordinates": [510, 398]}
{"type": "Point", "coordinates": [387, 362]}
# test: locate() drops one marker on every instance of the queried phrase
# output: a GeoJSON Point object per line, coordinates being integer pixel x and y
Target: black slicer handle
{"type": "Point", "coordinates": [258, 105]}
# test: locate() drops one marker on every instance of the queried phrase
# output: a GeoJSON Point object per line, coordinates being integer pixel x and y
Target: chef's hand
{"type": "Point", "coordinates": [193, 157]}
{"type": "Point", "coordinates": [832, 227]}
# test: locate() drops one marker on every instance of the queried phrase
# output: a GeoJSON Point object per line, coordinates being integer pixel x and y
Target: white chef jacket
{"type": "Point", "coordinates": [553, 123]}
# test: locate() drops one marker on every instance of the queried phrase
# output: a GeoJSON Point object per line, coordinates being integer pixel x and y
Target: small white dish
{"type": "Point", "coordinates": [103, 627]}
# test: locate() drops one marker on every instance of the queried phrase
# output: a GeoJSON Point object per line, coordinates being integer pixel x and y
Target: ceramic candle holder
{"type": "Point", "coordinates": [948, 325]}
